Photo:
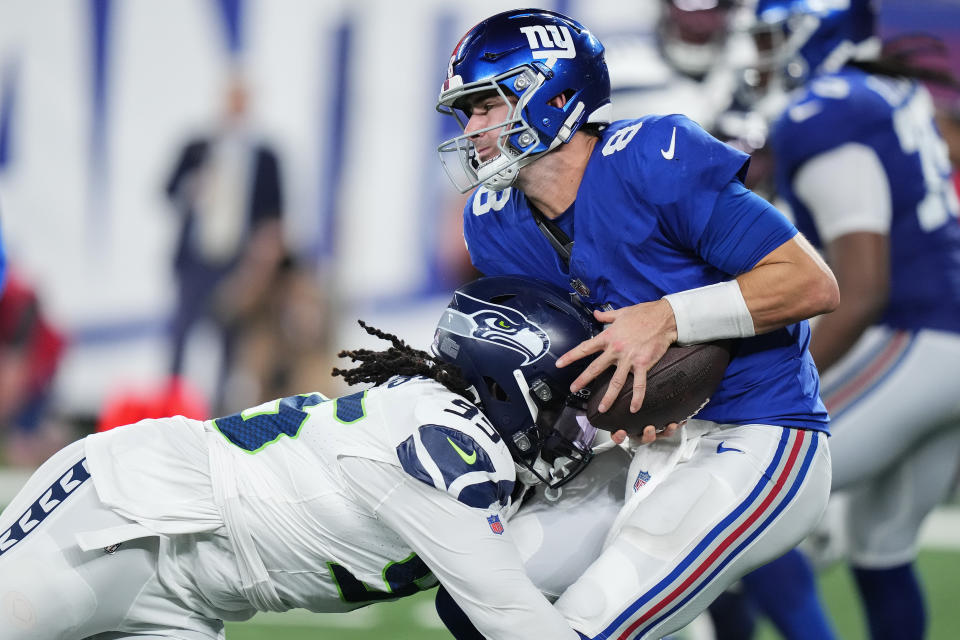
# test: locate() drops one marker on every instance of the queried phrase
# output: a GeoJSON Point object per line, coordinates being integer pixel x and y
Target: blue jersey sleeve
{"type": "Point", "coordinates": [742, 229]}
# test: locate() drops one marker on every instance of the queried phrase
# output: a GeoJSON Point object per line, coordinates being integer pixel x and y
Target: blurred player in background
{"type": "Point", "coordinates": [866, 174]}
{"type": "Point", "coordinates": [648, 221]}
{"type": "Point", "coordinates": [169, 527]}
{"type": "Point", "coordinates": [31, 349]}
{"type": "Point", "coordinates": [948, 122]}
{"type": "Point", "coordinates": [227, 188]}
{"type": "Point", "coordinates": [687, 65]}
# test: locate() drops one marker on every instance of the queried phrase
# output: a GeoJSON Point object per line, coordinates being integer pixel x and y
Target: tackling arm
{"type": "Point", "coordinates": [481, 568]}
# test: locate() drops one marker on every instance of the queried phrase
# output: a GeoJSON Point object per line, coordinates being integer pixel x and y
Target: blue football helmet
{"type": "Point", "coordinates": [803, 38]}
{"type": "Point", "coordinates": [531, 55]}
{"type": "Point", "coordinates": [505, 333]}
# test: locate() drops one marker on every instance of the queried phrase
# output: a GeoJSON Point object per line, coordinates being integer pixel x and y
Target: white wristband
{"type": "Point", "coordinates": [711, 313]}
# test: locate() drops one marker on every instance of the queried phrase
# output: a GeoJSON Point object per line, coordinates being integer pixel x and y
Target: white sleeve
{"type": "Point", "coordinates": [481, 569]}
{"type": "Point", "coordinates": [846, 190]}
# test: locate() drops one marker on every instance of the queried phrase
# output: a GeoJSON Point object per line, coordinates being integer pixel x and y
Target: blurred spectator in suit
{"type": "Point", "coordinates": [227, 188]}
{"type": "Point", "coordinates": [30, 353]}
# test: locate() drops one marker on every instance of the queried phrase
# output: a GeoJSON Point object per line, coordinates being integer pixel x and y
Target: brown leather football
{"type": "Point", "coordinates": [677, 388]}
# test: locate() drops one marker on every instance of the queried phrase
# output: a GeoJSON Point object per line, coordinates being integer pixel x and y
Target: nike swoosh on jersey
{"type": "Point", "coordinates": [668, 153]}
{"type": "Point", "coordinates": [723, 449]}
{"type": "Point", "coordinates": [469, 459]}
{"type": "Point", "coordinates": [804, 111]}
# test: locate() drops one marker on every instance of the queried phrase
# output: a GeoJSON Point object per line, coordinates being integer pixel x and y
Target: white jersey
{"type": "Point", "coordinates": [329, 505]}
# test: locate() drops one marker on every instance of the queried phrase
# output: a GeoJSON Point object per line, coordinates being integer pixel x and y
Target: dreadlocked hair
{"type": "Point", "coordinates": [910, 56]}
{"type": "Point", "coordinates": [399, 360]}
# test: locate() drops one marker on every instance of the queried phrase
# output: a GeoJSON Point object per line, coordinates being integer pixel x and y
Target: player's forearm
{"type": "Point", "coordinates": [835, 333]}
{"type": "Point", "coordinates": [861, 263]}
{"type": "Point", "coordinates": [790, 284]}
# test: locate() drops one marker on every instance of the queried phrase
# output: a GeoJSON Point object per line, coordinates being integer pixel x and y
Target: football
{"type": "Point", "coordinates": [677, 388]}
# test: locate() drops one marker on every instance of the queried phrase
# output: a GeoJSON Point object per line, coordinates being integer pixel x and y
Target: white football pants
{"type": "Point", "coordinates": [702, 509]}
{"type": "Point", "coordinates": [894, 402]}
{"type": "Point", "coordinates": [51, 589]}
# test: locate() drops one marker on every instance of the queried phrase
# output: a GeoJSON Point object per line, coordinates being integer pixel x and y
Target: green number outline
{"type": "Point", "coordinates": [349, 587]}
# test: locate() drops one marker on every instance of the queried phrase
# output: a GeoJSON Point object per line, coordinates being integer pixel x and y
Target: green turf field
{"type": "Point", "coordinates": [940, 574]}
{"type": "Point", "coordinates": [413, 618]}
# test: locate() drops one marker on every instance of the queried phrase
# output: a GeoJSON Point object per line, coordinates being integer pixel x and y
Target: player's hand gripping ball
{"type": "Point", "coordinates": [678, 386]}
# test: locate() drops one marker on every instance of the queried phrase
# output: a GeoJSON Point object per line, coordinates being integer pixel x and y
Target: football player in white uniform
{"type": "Point", "coordinates": [168, 527]}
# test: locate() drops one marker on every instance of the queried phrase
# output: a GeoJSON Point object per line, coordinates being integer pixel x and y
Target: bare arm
{"type": "Point", "coordinates": [790, 284]}
{"type": "Point", "coordinates": [847, 192]}
{"type": "Point", "coordinates": [861, 261]}
{"type": "Point", "coordinates": [483, 571]}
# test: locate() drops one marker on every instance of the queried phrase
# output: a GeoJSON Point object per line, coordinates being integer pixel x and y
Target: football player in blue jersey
{"type": "Point", "coordinates": [647, 221]}
{"type": "Point", "coordinates": [867, 176]}
{"type": "Point", "coordinates": [169, 527]}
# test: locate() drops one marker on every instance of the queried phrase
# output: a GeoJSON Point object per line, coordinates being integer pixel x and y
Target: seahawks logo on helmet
{"type": "Point", "coordinates": [502, 326]}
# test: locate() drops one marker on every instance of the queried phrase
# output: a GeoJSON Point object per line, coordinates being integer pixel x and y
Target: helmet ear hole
{"type": "Point", "coordinates": [496, 391]}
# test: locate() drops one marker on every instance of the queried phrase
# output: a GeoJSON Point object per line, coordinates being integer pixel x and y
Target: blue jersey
{"type": "Point", "coordinates": [646, 222]}
{"type": "Point", "coordinates": [894, 118]}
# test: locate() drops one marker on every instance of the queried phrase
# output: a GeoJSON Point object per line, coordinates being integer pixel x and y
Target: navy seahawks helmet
{"type": "Point", "coordinates": [532, 55]}
{"type": "Point", "coordinates": [802, 38]}
{"type": "Point", "coordinates": [505, 334]}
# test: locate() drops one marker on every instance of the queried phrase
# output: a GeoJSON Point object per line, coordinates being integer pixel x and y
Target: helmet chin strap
{"type": "Point", "coordinates": [499, 173]}
{"type": "Point", "coordinates": [540, 470]}
{"type": "Point", "coordinates": [525, 389]}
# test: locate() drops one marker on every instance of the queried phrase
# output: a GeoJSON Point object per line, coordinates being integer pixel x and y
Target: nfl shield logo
{"type": "Point", "coordinates": [642, 478]}
{"type": "Point", "coordinates": [495, 525]}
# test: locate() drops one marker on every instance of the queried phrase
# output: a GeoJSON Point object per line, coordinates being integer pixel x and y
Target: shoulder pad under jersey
{"type": "Point", "coordinates": [455, 449]}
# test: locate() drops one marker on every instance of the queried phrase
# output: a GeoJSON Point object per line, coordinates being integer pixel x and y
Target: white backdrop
{"type": "Point", "coordinates": [98, 243]}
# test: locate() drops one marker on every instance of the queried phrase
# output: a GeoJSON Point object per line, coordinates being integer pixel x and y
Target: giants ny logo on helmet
{"type": "Point", "coordinates": [502, 326]}
{"type": "Point", "coordinates": [553, 41]}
